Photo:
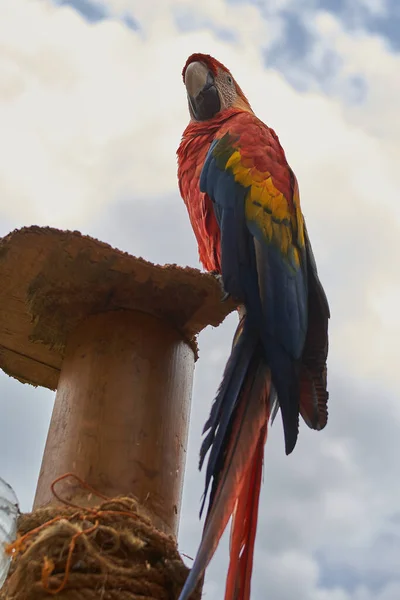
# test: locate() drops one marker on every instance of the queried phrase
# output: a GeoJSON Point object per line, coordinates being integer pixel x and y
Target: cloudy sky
{"type": "Point", "coordinates": [92, 107]}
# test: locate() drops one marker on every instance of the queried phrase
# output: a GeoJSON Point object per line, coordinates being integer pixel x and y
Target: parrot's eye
{"type": "Point", "coordinates": [229, 79]}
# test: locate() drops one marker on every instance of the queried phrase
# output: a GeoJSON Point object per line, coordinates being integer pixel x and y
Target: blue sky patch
{"type": "Point", "coordinates": [355, 15]}
{"type": "Point", "coordinates": [293, 56]}
{"type": "Point", "coordinates": [298, 40]}
{"type": "Point", "coordinates": [130, 22]}
{"type": "Point", "coordinates": [94, 12]}
{"type": "Point", "coordinates": [352, 13]}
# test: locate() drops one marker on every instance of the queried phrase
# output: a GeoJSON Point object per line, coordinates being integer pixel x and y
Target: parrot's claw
{"type": "Point", "coordinates": [218, 276]}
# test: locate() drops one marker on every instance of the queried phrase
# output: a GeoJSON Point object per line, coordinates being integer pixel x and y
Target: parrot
{"type": "Point", "coordinates": [243, 203]}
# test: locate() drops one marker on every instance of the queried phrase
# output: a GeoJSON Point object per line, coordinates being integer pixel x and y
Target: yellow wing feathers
{"type": "Point", "coordinates": [280, 221]}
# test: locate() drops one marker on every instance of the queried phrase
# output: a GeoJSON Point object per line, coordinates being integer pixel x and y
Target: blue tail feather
{"type": "Point", "coordinates": [227, 399]}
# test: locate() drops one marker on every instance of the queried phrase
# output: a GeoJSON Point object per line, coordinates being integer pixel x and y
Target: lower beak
{"type": "Point", "coordinates": [207, 102]}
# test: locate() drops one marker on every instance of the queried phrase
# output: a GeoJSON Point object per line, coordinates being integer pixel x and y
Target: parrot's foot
{"type": "Point", "coordinates": [218, 276]}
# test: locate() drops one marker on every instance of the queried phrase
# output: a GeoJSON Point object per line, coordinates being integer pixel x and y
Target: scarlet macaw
{"type": "Point", "coordinates": [244, 206]}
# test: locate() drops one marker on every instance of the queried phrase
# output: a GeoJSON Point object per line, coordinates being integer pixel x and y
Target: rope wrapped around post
{"type": "Point", "coordinates": [110, 551]}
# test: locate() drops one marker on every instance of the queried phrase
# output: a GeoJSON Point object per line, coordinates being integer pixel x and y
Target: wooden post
{"type": "Point", "coordinates": [115, 335]}
{"type": "Point", "coordinates": [121, 414]}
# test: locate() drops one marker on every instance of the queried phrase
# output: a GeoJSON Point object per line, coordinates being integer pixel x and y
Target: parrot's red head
{"type": "Point", "coordinates": [211, 88]}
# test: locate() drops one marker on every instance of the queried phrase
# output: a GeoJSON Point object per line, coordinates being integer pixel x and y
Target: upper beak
{"type": "Point", "coordinates": [203, 97]}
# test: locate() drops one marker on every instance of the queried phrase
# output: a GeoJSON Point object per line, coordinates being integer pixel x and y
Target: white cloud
{"type": "Point", "coordinates": [89, 113]}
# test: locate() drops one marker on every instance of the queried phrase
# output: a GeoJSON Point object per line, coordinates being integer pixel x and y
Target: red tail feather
{"type": "Point", "coordinates": [238, 485]}
{"type": "Point", "coordinates": [251, 418]}
{"type": "Point", "coordinates": [244, 526]}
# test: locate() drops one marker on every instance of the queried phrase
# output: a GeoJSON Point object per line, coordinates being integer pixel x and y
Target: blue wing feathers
{"type": "Point", "coordinates": [285, 296]}
{"type": "Point", "coordinates": [256, 274]}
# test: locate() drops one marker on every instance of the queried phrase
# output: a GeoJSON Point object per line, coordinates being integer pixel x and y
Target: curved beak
{"type": "Point", "coordinates": [203, 96]}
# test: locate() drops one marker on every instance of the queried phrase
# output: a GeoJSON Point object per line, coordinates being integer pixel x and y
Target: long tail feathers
{"type": "Point", "coordinates": [226, 401]}
{"type": "Point", "coordinates": [237, 465]}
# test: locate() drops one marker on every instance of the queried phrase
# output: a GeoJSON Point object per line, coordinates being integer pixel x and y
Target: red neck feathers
{"type": "Point", "coordinates": [210, 127]}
